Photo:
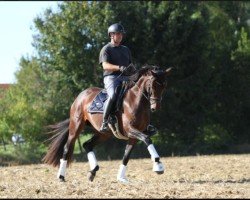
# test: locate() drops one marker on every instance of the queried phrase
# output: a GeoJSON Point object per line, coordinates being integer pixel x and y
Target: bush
{"type": "Point", "coordinates": [212, 138]}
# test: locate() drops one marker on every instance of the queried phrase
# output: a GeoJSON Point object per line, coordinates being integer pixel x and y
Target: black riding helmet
{"type": "Point", "coordinates": [116, 28]}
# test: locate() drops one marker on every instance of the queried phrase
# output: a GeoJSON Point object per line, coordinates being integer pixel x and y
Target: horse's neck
{"type": "Point", "coordinates": [138, 94]}
{"type": "Point", "coordinates": [136, 105]}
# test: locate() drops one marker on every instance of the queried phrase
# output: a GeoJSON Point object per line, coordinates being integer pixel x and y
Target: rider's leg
{"type": "Point", "coordinates": [110, 83]}
{"type": "Point", "coordinates": [106, 113]}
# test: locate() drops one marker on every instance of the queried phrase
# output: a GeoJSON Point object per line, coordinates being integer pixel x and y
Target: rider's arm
{"type": "Point", "coordinates": [110, 67]}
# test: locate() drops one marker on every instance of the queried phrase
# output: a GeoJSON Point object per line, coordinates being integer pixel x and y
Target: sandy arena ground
{"type": "Point", "coordinates": [220, 176]}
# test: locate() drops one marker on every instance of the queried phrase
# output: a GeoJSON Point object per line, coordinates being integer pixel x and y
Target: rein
{"type": "Point", "coordinates": [142, 91]}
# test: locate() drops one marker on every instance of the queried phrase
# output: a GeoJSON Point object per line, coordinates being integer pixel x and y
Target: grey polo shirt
{"type": "Point", "coordinates": [116, 55]}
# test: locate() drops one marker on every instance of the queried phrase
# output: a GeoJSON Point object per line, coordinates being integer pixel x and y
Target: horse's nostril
{"type": "Point", "coordinates": [153, 109]}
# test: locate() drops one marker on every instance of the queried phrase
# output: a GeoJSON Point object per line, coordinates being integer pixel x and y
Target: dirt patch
{"type": "Point", "coordinates": [221, 176]}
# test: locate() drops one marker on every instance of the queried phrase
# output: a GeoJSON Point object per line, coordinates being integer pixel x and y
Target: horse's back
{"type": "Point", "coordinates": [88, 94]}
{"type": "Point", "coordinates": [82, 103]}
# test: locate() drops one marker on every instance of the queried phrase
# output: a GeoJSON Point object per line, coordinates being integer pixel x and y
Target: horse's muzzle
{"type": "Point", "coordinates": [155, 106]}
{"type": "Point", "coordinates": [153, 109]}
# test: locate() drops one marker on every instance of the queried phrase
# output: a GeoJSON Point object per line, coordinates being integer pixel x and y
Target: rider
{"type": "Point", "coordinates": [115, 59]}
{"type": "Point", "coordinates": [117, 63]}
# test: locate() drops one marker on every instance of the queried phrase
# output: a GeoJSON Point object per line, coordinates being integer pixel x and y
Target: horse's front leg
{"type": "Point", "coordinates": [158, 167]}
{"type": "Point", "coordinates": [88, 147]}
{"type": "Point", "coordinates": [121, 176]}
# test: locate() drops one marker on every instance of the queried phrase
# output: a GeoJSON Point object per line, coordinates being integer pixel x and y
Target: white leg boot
{"type": "Point", "coordinates": [93, 166]}
{"type": "Point", "coordinates": [92, 160]}
{"type": "Point", "coordinates": [158, 167]}
{"type": "Point", "coordinates": [121, 174]}
{"type": "Point", "coordinates": [62, 169]}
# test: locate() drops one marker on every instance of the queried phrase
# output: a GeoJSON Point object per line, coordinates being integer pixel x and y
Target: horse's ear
{"type": "Point", "coordinates": [168, 71]}
{"type": "Point", "coordinates": [156, 71]}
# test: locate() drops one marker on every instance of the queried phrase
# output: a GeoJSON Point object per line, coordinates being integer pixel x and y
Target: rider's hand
{"type": "Point", "coordinates": [129, 70]}
{"type": "Point", "coordinates": [122, 68]}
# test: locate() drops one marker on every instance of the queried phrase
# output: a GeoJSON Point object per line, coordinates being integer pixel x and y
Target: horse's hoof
{"type": "Point", "coordinates": [159, 172]}
{"type": "Point", "coordinates": [158, 168]}
{"type": "Point", "coordinates": [61, 178]}
{"type": "Point", "coordinates": [91, 176]}
{"type": "Point", "coordinates": [123, 180]}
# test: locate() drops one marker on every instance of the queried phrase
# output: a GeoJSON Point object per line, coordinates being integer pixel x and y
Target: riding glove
{"type": "Point", "coordinates": [122, 68]}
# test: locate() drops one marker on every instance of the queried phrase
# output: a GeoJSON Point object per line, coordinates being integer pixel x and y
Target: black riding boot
{"type": "Point", "coordinates": [106, 112]}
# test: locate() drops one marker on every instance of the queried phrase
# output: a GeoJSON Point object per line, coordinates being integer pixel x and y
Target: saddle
{"type": "Point", "coordinates": [97, 105]}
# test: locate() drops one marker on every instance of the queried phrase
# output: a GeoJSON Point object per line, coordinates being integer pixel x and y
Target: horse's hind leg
{"type": "Point", "coordinates": [88, 146]}
{"type": "Point", "coordinates": [75, 127]}
{"type": "Point", "coordinates": [121, 176]}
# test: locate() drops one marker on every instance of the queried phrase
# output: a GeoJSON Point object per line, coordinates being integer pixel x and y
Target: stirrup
{"type": "Point", "coordinates": [151, 130]}
{"type": "Point", "coordinates": [104, 128]}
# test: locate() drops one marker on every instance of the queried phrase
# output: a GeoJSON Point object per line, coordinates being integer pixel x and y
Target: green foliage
{"type": "Point", "coordinates": [24, 153]}
{"type": "Point", "coordinates": [240, 88]}
{"type": "Point", "coordinates": [24, 108]}
{"type": "Point", "coordinates": [212, 138]}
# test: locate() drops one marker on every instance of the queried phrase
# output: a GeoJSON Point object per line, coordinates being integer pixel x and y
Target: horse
{"type": "Point", "coordinates": [143, 95]}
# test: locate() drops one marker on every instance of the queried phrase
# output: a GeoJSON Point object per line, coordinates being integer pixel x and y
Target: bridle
{"type": "Point", "coordinates": [151, 100]}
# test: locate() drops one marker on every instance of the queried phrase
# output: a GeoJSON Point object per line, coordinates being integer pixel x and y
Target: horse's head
{"type": "Point", "coordinates": [156, 85]}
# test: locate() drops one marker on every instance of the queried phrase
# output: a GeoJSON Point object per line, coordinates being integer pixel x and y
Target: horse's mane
{"type": "Point", "coordinates": [140, 72]}
{"type": "Point", "coordinates": [144, 70]}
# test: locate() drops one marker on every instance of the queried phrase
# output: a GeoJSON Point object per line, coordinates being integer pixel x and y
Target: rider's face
{"type": "Point", "coordinates": [116, 37]}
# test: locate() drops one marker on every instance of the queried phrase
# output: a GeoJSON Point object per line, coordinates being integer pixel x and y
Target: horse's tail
{"type": "Point", "coordinates": [56, 148]}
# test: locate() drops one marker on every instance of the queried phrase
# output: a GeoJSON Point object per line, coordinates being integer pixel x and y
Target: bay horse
{"type": "Point", "coordinates": [144, 95]}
